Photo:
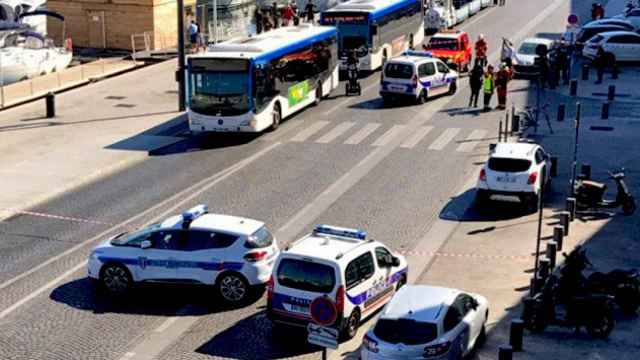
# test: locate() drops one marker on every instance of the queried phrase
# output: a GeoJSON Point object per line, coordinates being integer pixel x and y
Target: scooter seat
{"type": "Point", "coordinates": [594, 185]}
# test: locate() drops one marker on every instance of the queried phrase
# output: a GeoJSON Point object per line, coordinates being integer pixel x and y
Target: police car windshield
{"type": "Point", "coordinates": [398, 71]}
{"type": "Point", "coordinates": [527, 48]}
{"type": "Point", "coordinates": [128, 238]}
{"type": "Point", "coordinates": [509, 165]}
{"type": "Point", "coordinates": [406, 331]}
{"type": "Point", "coordinates": [306, 276]}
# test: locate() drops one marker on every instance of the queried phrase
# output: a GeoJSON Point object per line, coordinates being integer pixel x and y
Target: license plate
{"type": "Point", "coordinates": [397, 88]}
{"type": "Point", "coordinates": [506, 179]}
{"type": "Point", "coordinates": [299, 308]}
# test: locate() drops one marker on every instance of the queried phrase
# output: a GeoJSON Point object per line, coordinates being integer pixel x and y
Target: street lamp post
{"type": "Point", "coordinates": [575, 150]}
{"type": "Point", "coordinates": [215, 21]}
{"type": "Point", "coordinates": [181, 55]}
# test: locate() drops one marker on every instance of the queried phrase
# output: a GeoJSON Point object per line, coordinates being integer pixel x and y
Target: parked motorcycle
{"type": "Point", "coordinates": [623, 285]}
{"type": "Point", "coordinates": [590, 194]}
{"type": "Point", "coordinates": [593, 311]}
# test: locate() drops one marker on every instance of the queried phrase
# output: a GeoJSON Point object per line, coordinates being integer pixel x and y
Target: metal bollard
{"type": "Point", "coordinates": [585, 169]}
{"type": "Point", "coordinates": [561, 112]}
{"type": "Point", "coordinates": [557, 236]}
{"type": "Point", "coordinates": [573, 87]}
{"type": "Point", "coordinates": [604, 115]}
{"type": "Point", "coordinates": [552, 249]}
{"type": "Point", "coordinates": [50, 101]}
{"type": "Point", "coordinates": [516, 333]}
{"type": "Point", "coordinates": [544, 268]}
{"type": "Point", "coordinates": [611, 94]}
{"type": "Point", "coordinates": [505, 353]}
{"type": "Point", "coordinates": [571, 208]}
{"type": "Point", "coordinates": [564, 222]}
{"type": "Point", "coordinates": [515, 123]}
{"type": "Point", "coordinates": [553, 172]}
{"type": "Point", "coordinates": [500, 130]}
{"type": "Point", "coordinates": [585, 72]}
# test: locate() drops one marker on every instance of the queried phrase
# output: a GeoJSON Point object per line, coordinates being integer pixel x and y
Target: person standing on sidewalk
{"type": "Point", "coordinates": [503, 76]}
{"type": "Point", "coordinates": [488, 85]}
{"type": "Point", "coordinates": [193, 36]}
{"type": "Point", "coordinates": [481, 51]}
{"type": "Point", "coordinates": [287, 15]}
{"type": "Point", "coordinates": [475, 83]}
{"type": "Point", "coordinates": [274, 15]}
{"type": "Point", "coordinates": [308, 9]}
{"type": "Point", "coordinates": [599, 62]}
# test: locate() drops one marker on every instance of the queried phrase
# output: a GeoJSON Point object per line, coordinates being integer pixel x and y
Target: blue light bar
{"type": "Point", "coordinates": [195, 212]}
{"type": "Point", "coordinates": [418, 53]}
{"type": "Point", "coordinates": [340, 231]}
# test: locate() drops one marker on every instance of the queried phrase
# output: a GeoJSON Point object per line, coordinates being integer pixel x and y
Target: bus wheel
{"type": "Point", "coordinates": [276, 116]}
{"type": "Point", "coordinates": [318, 94]}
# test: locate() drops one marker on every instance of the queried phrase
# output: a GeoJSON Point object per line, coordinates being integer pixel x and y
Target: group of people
{"type": "Point", "coordinates": [484, 77]}
{"type": "Point", "coordinates": [275, 17]}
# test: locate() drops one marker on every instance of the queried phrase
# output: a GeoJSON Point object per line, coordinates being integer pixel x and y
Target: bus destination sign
{"type": "Point", "coordinates": [348, 18]}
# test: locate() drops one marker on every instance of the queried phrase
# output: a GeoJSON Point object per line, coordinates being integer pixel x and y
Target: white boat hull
{"type": "Point", "coordinates": [18, 64]}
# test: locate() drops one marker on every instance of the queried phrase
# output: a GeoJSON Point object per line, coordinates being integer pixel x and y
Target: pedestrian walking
{"type": "Point", "coordinates": [503, 76]}
{"type": "Point", "coordinates": [475, 83]}
{"type": "Point", "coordinates": [481, 51]}
{"type": "Point", "coordinates": [563, 61]}
{"type": "Point", "coordinates": [259, 20]}
{"type": "Point", "coordinates": [193, 35]}
{"type": "Point", "coordinates": [287, 15]}
{"type": "Point", "coordinates": [268, 25]}
{"type": "Point", "coordinates": [488, 85]}
{"type": "Point", "coordinates": [308, 9]}
{"type": "Point", "coordinates": [275, 15]}
{"type": "Point", "coordinates": [600, 62]}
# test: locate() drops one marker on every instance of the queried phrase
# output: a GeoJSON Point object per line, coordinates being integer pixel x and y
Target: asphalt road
{"type": "Point", "coordinates": [347, 162]}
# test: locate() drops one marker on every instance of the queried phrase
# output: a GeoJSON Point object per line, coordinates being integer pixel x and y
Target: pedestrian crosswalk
{"type": "Point", "coordinates": [378, 134]}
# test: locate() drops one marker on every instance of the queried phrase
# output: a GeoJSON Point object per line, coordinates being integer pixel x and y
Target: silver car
{"type": "Point", "coordinates": [427, 322]}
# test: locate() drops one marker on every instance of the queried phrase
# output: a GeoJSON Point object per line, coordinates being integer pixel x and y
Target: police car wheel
{"type": "Point", "coordinates": [233, 287]}
{"type": "Point", "coordinates": [422, 97]}
{"type": "Point", "coordinates": [115, 278]}
{"type": "Point", "coordinates": [351, 327]}
{"type": "Point", "coordinates": [452, 88]}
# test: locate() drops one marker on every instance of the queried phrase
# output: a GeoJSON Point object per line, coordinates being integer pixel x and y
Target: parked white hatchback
{"type": "Point", "coordinates": [617, 46]}
{"type": "Point", "coordinates": [427, 322]}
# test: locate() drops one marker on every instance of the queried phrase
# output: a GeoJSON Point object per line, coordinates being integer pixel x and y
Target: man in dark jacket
{"type": "Point", "coordinates": [599, 62]}
{"type": "Point", "coordinates": [475, 83]}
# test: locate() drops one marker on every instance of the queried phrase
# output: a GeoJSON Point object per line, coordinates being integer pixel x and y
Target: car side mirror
{"type": "Point", "coordinates": [145, 244]}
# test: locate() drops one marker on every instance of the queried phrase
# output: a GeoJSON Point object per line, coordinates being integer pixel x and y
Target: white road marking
{"type": "Point", "coordinates": [308, 132]}
{"type": "Point", "coordinates": [444, 139]}
{"type": "Point", "coordinates": [362, 134]}
{"type": "Point", "coordinates": [127, 356]}
{"type": "Point", "coordinates": [389, 135]}
{"type": "Point", "coordinates": [165, 325]}
{"type": "Point", "coordinates": [335, 132]}
{"type": "Point", "coordinates": [177, 200]}
{"type": "Point", "coordinates": [346, 101]}
{"type": "Point", "coordinates": [416, 137]}
{"type": "Point", "coordinates": [472, 140]}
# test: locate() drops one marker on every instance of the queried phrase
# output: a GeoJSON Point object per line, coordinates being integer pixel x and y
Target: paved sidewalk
{"type": "Point", "coordinates": [116, 121]}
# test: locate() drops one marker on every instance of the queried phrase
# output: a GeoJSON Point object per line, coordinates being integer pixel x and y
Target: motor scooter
{"type": "Point", "coordinates": [353, 85]}
{"type": "Point", "coordinates": [590, 194]}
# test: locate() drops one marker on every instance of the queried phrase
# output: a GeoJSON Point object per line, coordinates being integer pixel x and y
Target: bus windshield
{"type": "Point", "coordinates": [219, 86]}
{"type": "Point", "coordinates": [354, 37]}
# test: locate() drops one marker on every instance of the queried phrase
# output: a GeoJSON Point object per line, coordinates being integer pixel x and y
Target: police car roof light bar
{"type": "Point", "coordinates": [193, 213]}
{"type": "Point", "coordinates": [340, 231]}
{"type": "Point", "coordinates": [428, 54]}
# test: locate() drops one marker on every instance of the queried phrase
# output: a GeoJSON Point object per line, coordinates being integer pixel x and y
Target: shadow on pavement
{"type": "Point", "coordinates": [146, 299]}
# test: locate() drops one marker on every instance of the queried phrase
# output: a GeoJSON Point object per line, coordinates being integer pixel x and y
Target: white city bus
{"type": "Point", "coordinates": [249, 84]}
{"type": "Point", "coordinates": [376, 29]}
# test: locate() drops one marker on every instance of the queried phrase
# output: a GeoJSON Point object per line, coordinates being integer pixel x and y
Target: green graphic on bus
{"type": "Point", "coordinates": [298, 92]}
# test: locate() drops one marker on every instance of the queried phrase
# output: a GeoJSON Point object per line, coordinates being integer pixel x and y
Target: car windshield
{"type": "Point", "coordinates": [528, 48]}
{"type": "Point", "coordinates": [306, 275]}
{"type": "Point", "coordinates": [129, 238]}
{"type": "Point", "coordinates": [260, 239]}
{"type": "Point", "coordinates": [398, 71]}
{"type": "Point", "coordinates": [219, 86]}
{"type": "Point", "coordinates": [437, 43]}
{"type": "Point", "coordinates": [508, 165]}
{"type": "Point", "coordinates": [406, 331]}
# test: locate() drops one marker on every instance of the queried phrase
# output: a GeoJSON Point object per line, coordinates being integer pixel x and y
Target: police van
{"type": "Point", "coordinates": [232, 253]}
{"type": "Point", "coordinates": [416, 75]}
{"type": "Point", "coordinates": [357, 274]}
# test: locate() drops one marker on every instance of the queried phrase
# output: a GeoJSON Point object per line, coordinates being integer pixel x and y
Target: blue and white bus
{"type": "Point", "coordinates": [249, 84]}
{"type": "Point", "coordinates": [376, 29]}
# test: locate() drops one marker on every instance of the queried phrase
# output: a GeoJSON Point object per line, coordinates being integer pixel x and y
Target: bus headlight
{"type": "Point", "coordinates": [253, 123]}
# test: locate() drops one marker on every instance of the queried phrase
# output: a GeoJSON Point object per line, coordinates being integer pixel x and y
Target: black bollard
{"type": "Point", "coordinates": [553, 172]}
{"type": "Point", "coordinates": [515, 123]}
{"type": "Point", "coordinates": [50, 101]}
{"type": "Point", "coordinates": [611, 94]}
{"type": "Point", "coordinates": [505, 353]}
{"type": "Point", "coordinates": [585, 72]}
{"type": "Point", "coordinates": [557, 236]}
{"type": "Point", "coordinates": [500, 130]}
{"type": "Point", "coordinates": [571, 208]}
{"type": "Point", "coordinates": [585, 169]}
{"type": "Point", "coordinates": [561, 112]}
{"type": "Point", "coordinates": [604, 115]}
{"type": "Point", "coordinates": [515, 334]}
{"type": "Point", "coordinates": [544, 268]}
{"type": "Point", "coordinates": [527, 307]}
{"type": "Point", "coordinates": [564, 222]}
{"type": "Point", "coordinates": [552, 249]}
{"type": "Point", "coordinates": [573, 87]}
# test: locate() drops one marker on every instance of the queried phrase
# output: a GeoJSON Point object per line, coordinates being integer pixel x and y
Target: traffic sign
{"type": "Point", "coordinates": [322, 336]}
{"type": "Point", "coordinates": [573, 19]}
{"type": "Point", "coordinates": [323, 311]}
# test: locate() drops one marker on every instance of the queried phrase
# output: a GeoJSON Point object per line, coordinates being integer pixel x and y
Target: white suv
{"type": "Point", "coordinates": [229, 252]}
{"type": "Point", "coordinates": [514, 170]}
{"type": "Point", "coordinates": [358, 275]}
{"type": "Point", "coordinates": [416, 75]}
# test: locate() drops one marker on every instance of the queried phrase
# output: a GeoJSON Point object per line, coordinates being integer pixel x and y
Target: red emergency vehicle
{"type": "Point", "coordinates": [452, 47]}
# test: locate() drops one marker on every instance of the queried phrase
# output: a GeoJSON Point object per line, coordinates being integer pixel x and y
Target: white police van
{"type": "Point", "coordinates": [232, 253]}
{"type": "Point", "coordinates": [418, 76]}
{"type": "Point", "coordinates": [358, 275]}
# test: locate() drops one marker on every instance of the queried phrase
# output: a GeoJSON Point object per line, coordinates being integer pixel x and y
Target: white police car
{"type": "Point", "coordinates": [229, 252]}
{"type": "Point", "coordinates": [358, 275]}
{"type": "Point", "coordinates": [427, 322]}
{"type": "Point", "coordinates": [416, 75]}
{"type": "Point", "coordinates": [514, 170]}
